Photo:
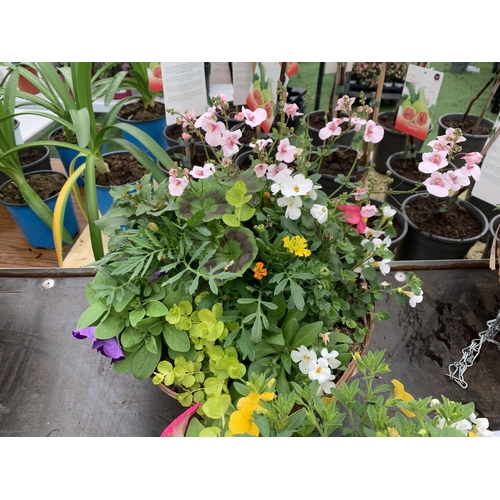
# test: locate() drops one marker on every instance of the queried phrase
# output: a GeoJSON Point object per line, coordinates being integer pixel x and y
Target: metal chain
{"type": "Point", "coordinates": [469, 354]}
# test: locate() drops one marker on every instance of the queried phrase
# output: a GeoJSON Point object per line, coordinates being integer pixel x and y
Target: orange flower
{"type": "Point", "coordinates": [259, 270]}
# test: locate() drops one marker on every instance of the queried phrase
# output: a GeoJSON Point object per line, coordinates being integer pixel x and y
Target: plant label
{"type": "Point", "coordinates": [418, 101]}
{"type": "Point", "coordinates": [242, 80]}
{"type": "Point", "coordinates": [263, 91]}
{"type": "Point", "coordinates": [487, 188]}
{"type": "Point", "coordinates": [184, 87]}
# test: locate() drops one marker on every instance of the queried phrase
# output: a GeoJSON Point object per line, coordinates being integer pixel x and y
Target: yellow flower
{"type": "Point", "coordinates": [297, 245]}
{"type": "Point", "coordinates": [241, 421]}
{"type": "Point", "coordinates": [399, 393]}
{"type": "Point", "coordinates": [259, 270]}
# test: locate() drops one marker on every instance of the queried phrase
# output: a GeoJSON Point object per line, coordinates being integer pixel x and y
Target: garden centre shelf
{"type": "Point", "coordinates": [54, 385]}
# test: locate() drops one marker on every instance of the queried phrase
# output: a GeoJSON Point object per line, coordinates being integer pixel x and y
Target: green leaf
{"type": "Point", "coordinates": [290, 328]}
{"type": "Point", "coordinates": [130, 337]}
{"type": "Point", "coordinates": [120, 305]}
{"type": "Point", "coordinates": [177, 340]}
{"type": "Point", "coordinates": [306, 335]}
{"type": "Point", "coordinates": [144, 362]}
{"type": "Point", "coordinates": [156, 309]}
{"type": "Point", "coordinates": [194, 428]}
{"type": "Point", "coordinates": [136, 315]}
{"type": "Point", "coordinates": [109, 328]}
{"type": "Point", "coordinates": [215, 407]}
{"type": "Point", "coordinates": [369, 273]}
{"type": "Point", "coordinates": [282, 385]}
{"type": "Point", "coordinates": [91, 315]}
{"type": "Point", "coordinates": [231, 220]}
{"type": "Point", "coordinates": [297, 295]}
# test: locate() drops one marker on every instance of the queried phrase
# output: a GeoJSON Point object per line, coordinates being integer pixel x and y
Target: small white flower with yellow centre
{"type": "Point", "coordinates": [305, 358]}
{"type": "Point", "coordinates": [297, 185]}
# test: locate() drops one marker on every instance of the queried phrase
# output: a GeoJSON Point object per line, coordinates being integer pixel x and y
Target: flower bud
{"type": "Point", "coordinates": [153, 227]}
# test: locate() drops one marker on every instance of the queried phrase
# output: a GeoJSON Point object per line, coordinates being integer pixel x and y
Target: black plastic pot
{"type": "Point", "coordinates": [344, 140]}
{"type": "Point", "coordinates": [393, 141]}
{"type": "Point", "coordinates": [473, 142]}
{"type": "Point", "coordinates": [176, 153]}
{"type": "Point", "coordinates": [420, 245]}
{"type": "Point", "coordinates": [41, 164]}
{"type": "Point", "coordinates": [493, 226]}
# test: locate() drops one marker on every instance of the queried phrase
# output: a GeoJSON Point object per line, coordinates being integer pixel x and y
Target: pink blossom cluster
{"type": "Point", "coordinates": [443, 148]}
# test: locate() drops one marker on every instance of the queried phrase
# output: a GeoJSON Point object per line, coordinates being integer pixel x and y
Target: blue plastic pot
{"type": "Point", "coordinates": [104, 198]}
{"type": "Point", "coordinates": [154, 128]}
{"type": "Point", "coordinates": [34, 230]}
{"type": "Point", "coordinates": [67, 155]}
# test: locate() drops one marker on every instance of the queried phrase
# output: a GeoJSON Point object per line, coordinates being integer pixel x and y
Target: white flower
{"type": "Point", "coordinates": [296, 186]}
{"type": "Point", "coordinates": [304, 357]}
{"type": "Point", "coordinates": [373, 233]}
{"type": "Point", "coordinates": [385, 269]}
{"type": "Point", "coordinates": [415, 299]}
{"type": "Point", "coordinates": [378, 242]}
{"type": "Point", "coordinates": [326, 386]}
{"type": "Point", "coordinates": [293, 204]}
{"type": "Point", "coordinates": [319, 370]}
{"type": "Point", "coordinates": [319, 212]}
{"type": "Point", "coordinates": [481, 426]}
{"type": "Point", "coordinates": [463, 426]}
{"type": "Point", "coordinates": [278, 178]}
{"type": "Point", "coordinates": [387, 212]}
{"type": "Point", "coordinates": [331, 358]}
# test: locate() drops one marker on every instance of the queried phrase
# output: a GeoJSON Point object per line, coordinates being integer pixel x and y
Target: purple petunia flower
{"type": "Point", "coordinates": [108, 347]}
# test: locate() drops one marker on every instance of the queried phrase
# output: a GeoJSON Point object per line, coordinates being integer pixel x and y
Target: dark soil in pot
{"type": "Point", "coordinates": [60, 136]}
{"type": "Point", "coordinates": [31, 155]}
{"type": "Point", "coordinates": [456, 223]}
{"type": "Point", "coordinates": [136, 111]}
{"type": "Point", "coordinates": [340, 162]}
{"type": "Point", "coordinates": [198, 157]}
{"type": "Point", "coordinates": [175, 131]}
{"type": "Point", "coordinates": [124, 169]}
{"type": "Point", "coordinates": [468, 126]}
{"type": "Point", "coordinates": [45, 185]}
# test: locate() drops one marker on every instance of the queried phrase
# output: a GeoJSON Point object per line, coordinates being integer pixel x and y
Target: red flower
{"type": "Point", "coordinates": [354, 217]}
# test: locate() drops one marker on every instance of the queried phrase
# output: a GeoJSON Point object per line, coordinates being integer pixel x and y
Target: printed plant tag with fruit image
{"type": "Point", "coordinates": [418, 101]}
{"type": "Point", "coordinates": [263, 91]}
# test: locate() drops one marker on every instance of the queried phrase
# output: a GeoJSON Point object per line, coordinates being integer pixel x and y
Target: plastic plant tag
{"type": "Point", "coordinates": [418, 100]}
{"type": "Point", "coordinates": [154, 77]}
{"type": "Point", "coordinates": [263, 90]}
{"type": "Point", "coordinates": [184, 87]}
{"type": "Point", "coordinates": [487, 188]}
{"type": "Point", "coordinates": [242, 80]}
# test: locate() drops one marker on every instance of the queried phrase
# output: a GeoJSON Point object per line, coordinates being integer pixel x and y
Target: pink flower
{"type": "Point", "coordinates": [178, 427]}
{"type": "Point", "coordinates": [230, 142]}
{"type": "Point", "coordinates": [433, 161]}
{"type": "Point", "coordinates": [223, 99]}
{"type": "Point", "coordinates": [254, 118]}
{"type": "Point", "coordinates": [345, 103]}
{"type": "Point", "coordinates": [357, 123]}
{"type": "Point", "coordinates": [172, 172]}
{"type": "Point", "coordinates": [176, 185]}
{"type": "Point", "coordinates": [286, 151]}
{"type": "Point", "coordinates": [260, 169]}
{"type": "Point", "coordinates": [471, 169]}
{"type": "Point", "coordinates": [439, 144]}
{"type": "Point", "coordinates": [291, 110]}
{"type": "Point", "coordinates": [331, 129]}
{"type": "Point", "coordinates": [186, 136]}
{"type": "Point", "coordinates": [189, 118]}
{"type": "Point", "coordinates": [213, 130]}
{"type": "Point", "coordinates": [437, 184]}
{"type": "Point", "coordinates": [239, 116]}
{"type": "Point", "coordinates": [373, 132]}
{"type": "Point", "coordinates": [360, 193]}
{"type": "Point", "coordinates": [260, 144]}
{"type": "Point", "coordinates": [203, 172]}
{"type": "Point", "coordinates": [354, 217]}
{"type": "Point", "coordinates": [452, 137]}
{"type": "Point", "coordinates": [456, 179]}
{"type": "Point", "coordinates": [273, 170]}
{"type": "Point", "coordinates": [472, 158]}
{"type": "Point", "coordinates": [208, 115]}
{"type": "Point", "coordinates": [368, 211]}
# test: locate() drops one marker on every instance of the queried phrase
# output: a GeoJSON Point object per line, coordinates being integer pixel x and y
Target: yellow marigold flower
{"type": "Point", "coordinates": [259, 270]}
{"type": "Point", "coordinates": [296, 245]}
{"type": "Point", "coordinates": [402, 395]}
